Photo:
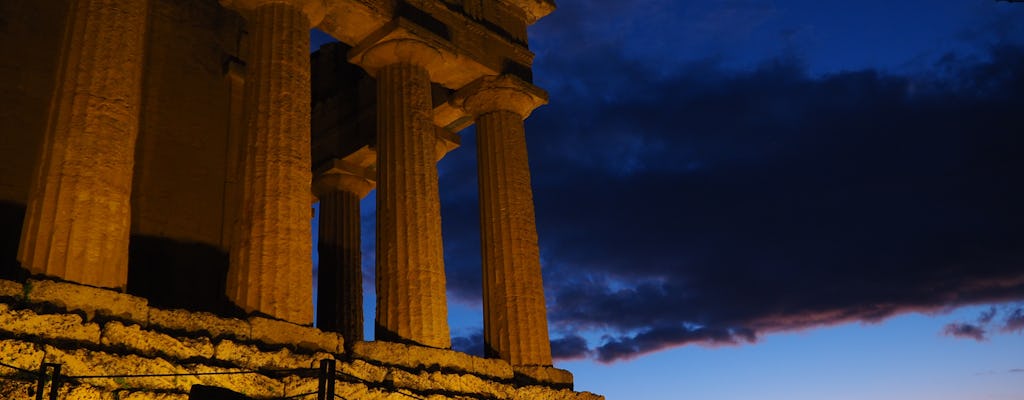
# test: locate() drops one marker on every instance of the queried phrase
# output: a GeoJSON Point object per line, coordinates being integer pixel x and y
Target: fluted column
{"type": "Point", "coordinates": [340, 280]}
{"type": "Point", "coordinates": [271, 260]}
{"type": "Point", "coordinates": [411, 301]}
{"type": "Point", "coordinates": [515, 318]}
{"type": "Point", "coordinates": [78, 216]}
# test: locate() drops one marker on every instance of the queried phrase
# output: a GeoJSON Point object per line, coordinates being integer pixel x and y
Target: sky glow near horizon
{"type": "Point", "coordinates": [620, 166]}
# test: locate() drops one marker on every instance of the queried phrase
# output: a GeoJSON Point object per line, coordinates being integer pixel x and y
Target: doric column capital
{"type": "Point", "coordinates": [341, 175]}
{"type": "Point", "coordinates": [499, 93]}
{"type": "Point", "coordinates": [404, 50]}
{"type": "Point", "coordinates": [534, 9]}
{"type": "Point", "coordinates": [312, 9]}
{"type": "Point", "coordinates": [341, 182]}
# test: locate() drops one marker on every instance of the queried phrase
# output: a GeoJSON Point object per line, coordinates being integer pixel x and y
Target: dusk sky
{"type": "Point", "coordinates": [746, 199]}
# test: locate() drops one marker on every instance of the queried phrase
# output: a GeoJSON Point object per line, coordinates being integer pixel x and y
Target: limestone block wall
{"type": "Point", "coordinates": [96, 332]}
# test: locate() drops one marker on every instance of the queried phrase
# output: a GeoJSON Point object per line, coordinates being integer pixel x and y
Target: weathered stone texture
{"type": "Point", "coordinates": [187, 321]}
{"type": "Point", "coordinates": [153, 344]}
{"type": "Point", "coordinates": [48, 326]}
{"type": "Point", "coordinates": [11, 289]}
{"type": "Point", "coordinates": [77, 221]}
{"type": "Point", "coordinates": [515, 317]}
{"type": "Point", "coordinates": [24, 355]}
{"type": "Point", "coordinates": [377, 370]}
{"type": "Point", "coordinates": [418, 357]}
{"type": "Point", "coordinates": [249, 356]}
{"type": "Point", "coordinates": [284, 333]}
{"type": "Point", "coordinates": [411, 299]}
{"type": "Point", "coordinates": [89, 300]}
{"type": "Point", "coordinates": [542, 374]}
{"type": "Point", "coordinates": [270, 267]}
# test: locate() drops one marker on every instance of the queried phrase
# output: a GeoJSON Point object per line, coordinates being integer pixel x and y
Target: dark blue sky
{"type": "Point", "coordinates": [713, 171]}
{"type": "Point", "coordinates": [718, 172]}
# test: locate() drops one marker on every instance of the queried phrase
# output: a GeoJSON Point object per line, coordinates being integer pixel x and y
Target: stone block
{"type": "Point", "coordinates": [271, 331]}
{"type": "Point", "coordinates": [19, 354]}
{"type": "Point", "coordinates": [150, 396]}
{"type": "Point", "coordinates": [17, 390]}
{"type": "Point", "coordinates": [297, 385]}
{"type": "Point", "coordinates": [470, 385]}
{"type": "Point", "coordinates": [363, 371]}
{"type": "Point", "coordinates": [249, 384]}
{"type": "Point", "coordinates": [198, 323]}
{"type": "Point", "coordinates": [48, 326]}
{"type": "Point", "coordinates": [84, 362]}
{"type": "Point", "coordinates": [9, 289]}
{"type": "Point", "coordinates": [544, 375]}
{"type": "Point", "coordinates": [418, 357]}
{"type": "Point", "coordinates": [251, 357]}
{"type": "Point", "coordinates": [153, 344]}
{"type": "Point", "coordinates": [541, 392]}
{"type": "Point", "coordinates": [91, 300]}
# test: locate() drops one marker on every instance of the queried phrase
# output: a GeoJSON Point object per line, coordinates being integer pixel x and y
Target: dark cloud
{"type": "Point", "coordinates": [569, 347]}
{"type": "Point", "coordinates": [1014, 321]}
{"type": "Point", "coordinates": [657, 338]}
{"type": "Point", "coordinates": [966, 331]}
{"type": "Point", "coordinates": [472, 344]}
{"type": "Point", "coordinates": [710, 206]}
{"type": "Point", "coordinates": [987, 315]}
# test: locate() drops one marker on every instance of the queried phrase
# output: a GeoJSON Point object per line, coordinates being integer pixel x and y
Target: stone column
{"type": "Point", "coordinates": [78, 216]}
{"type": "Point", "coordinates": [515, 318]}
{"type": "Point", "coordinates": [340, 284]}
{"type": "Point", "coordinates": [411, 302]}
{"type": "Point", "coordinates": [271, 260]}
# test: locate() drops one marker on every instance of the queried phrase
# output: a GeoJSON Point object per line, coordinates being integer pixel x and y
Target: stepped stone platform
{"type": "Point", "coordinates": [99, 332]}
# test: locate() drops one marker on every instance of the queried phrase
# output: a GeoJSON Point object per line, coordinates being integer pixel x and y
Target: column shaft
{"type": "Point", "coordinates": [411, 303]}
{"type": "Point", "coordinates": [271, 265]}
{"type": "Point", "coordinates": [340, 283]}
{"type": "Point", "coordinates": [515, 318]}
{"type": "Point", "coordinates": [78, 217]}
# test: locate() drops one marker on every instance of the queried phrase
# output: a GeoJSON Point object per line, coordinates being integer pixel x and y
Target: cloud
{"type": "Point", "coordinates": [967, 331]}
{"type": "Point", "coordinates": [657, 338]}
{"type": "Point", "coordinates": [569, 347]}
{"type": "Point", "coordinates": [987, 315]}
{"type": "Point", "coordinates": [1014, 322]}
{"type": "Point", "coordinates": [710, 206]}
{"type": "Point", "coordinates": [472, 344]}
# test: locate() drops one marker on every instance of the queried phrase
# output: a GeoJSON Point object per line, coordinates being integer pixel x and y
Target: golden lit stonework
{"type": "Point", "coordinates": [158, 168]}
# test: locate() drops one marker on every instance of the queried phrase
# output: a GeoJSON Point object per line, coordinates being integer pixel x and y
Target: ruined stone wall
{"type": "Point", "coordinates": [92, 332]}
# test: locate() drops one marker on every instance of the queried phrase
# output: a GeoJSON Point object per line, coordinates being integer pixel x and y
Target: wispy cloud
{"type": "Point", "coordinates": [968, 331]}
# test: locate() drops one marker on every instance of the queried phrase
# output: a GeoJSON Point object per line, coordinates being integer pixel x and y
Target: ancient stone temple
{"type": "Point", "coordinates": [159, 160]}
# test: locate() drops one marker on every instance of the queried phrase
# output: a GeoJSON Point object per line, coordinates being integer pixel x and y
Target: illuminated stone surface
{"type": "Point", "coordinates": [217, 94]}
{"type": "Point", "coordinates": [374, 370]}
{"type": "Point", "coordinates": [78, 215]}
{"type": "Point", "coordinates": [411, 299]}
{"type": "Point", "coordinates": [270, 269]}
{"type": "Point", "coordinates": [515, 318]}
